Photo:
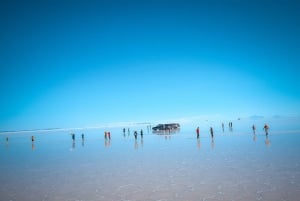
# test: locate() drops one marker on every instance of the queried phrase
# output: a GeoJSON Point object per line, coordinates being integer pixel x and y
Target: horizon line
{"type": "Point", "coordinates": [183, 120]}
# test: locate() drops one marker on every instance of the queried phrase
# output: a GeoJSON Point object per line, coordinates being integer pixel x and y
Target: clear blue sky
{"type": "Point", "coordinates": [81, 63]}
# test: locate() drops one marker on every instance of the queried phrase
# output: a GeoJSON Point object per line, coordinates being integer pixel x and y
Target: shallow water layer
{"type": "Point", "coordinates": [232, 166]}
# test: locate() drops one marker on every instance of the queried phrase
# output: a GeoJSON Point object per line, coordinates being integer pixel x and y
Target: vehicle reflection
{"type": "Point", "coordinates": [166, 132]}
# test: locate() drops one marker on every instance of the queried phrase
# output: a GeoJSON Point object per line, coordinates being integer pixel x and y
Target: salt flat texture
{"type": "Point", "coordinates": [235, 165]}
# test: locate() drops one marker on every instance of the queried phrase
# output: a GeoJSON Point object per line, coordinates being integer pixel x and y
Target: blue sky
{"type": "Point", "coordinates": [83, 63]}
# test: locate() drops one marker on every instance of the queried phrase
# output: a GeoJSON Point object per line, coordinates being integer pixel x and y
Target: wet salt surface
{"type": "Point", "coordinates": [233, 166]}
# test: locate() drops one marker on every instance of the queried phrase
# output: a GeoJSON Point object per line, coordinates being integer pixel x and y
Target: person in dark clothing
{"type": "Point", "coordinates": [142, 133]}
{"type": "Point", "coordinates": [211, 132]}
{"type": "Point", "coordinates": [135, 134]}
{"type": "Point", "coordinates": [253, 128]}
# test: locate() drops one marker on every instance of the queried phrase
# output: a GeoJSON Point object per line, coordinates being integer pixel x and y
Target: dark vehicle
{"type": "Point", "coordinates": [166, 127]}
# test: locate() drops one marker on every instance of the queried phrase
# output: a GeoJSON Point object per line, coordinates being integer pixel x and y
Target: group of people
{"type": "Point", "coordinates": [73, 136]}
{"type": "Point", "coordinates": [136, 134]}
{"type": "Point", "coordinates": [211, 132]}
{"type": "Point", "coordinates": [107, 135]}
{"type": "Point", "coordinates": [265, 128]}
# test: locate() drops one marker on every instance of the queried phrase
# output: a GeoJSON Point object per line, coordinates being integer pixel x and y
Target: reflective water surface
{"type": "Point", "coordinates": [235, 165]}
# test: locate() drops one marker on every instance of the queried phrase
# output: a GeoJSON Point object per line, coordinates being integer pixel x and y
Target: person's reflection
{"type": "Point", "coordinates": [167, 137]}
{"type": "Point", "coordinates": [73, 144]}
{"type": "Point", "coordinates": [267, 141]}
{"type": "Point", "coordinates": [32, 146]}
{"type": "Point", "coordinates": [107, 143]}
{"type": "Point", "coordinates": [136, 144]}
{"type": "Point", "coordinates": [212, 143]}
{"type": "Point", "coordinates": [198, 143]}
{"type": "Point", "coordinates": [254, 137]}
{"type": "Point", "coordinates": [142, 142]}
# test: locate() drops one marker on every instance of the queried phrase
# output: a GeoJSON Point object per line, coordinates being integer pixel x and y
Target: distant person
{"type": "Point", "coordinates": [135, 134]}
{"type": "Point", "coordinates": [142, 133]}
{"type": "Point", "coordinates": [266, 128]}
{"type": "Point", "coordinates": [230, 126]}
{"type": "Point", "coordinates": [124, 130]}
{"type": "Point", "coordinates": [6, 144]}
{"type": "Point", "coordinates": [128, 130]}
{"type": "Point", "coordinates": [73, 136]}
{"type": "Point", "coordinates": [211, 132]}
{"type": "Point", "coordinates": [223, 127]}
{"type": "Point", "coordinates": [198, 132]}
{"type": "Point", "coordinates": [32, 143]}
{"type": "Point", "coordinates": [253, 128]}
{"type": "Point", "coordinates": [105, 135]}
{"type": "Point", "coordinates": [82, 139]}
{"type": "Point", "coordinates": [108, 134]}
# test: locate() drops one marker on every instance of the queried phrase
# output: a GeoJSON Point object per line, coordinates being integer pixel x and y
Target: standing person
{"type": "Point", "coordinates": [73, 137]}
{"type": "Point", "coordinates": [211, 132]}
{"type": "Point", "coordinates": [128, 130]}
{"type": "Point", "coordinates": [254, 129]}
{"type": "Point", "coordinates": [230, 126]}
{"type": "Point", "coordinates": [6, 142]}
{"type": "Point", "coordinates": [135, 134]}
{"type": "Point", "coordinates": [108, 133]}
{"type": "Point", "coordinates": [223, 127]}
{"type": "Point", "coordinates": [198, 132]}
{"type": "Point", "coordinates": [82, 139]}
{"type": "Point", "coordinates": [266, 128]}
{"type": "Point", "coordinates": [32, 143]}
{"type": "Point", "coordinates": [142, 133]}
{"type": "Point", "coordinates": [124, 130]}
{"type": "Point", "coordinates": [105, 135]}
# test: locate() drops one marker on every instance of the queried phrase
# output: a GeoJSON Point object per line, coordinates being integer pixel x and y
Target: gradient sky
{"type": "Point", "coordinates": [84, 63]}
